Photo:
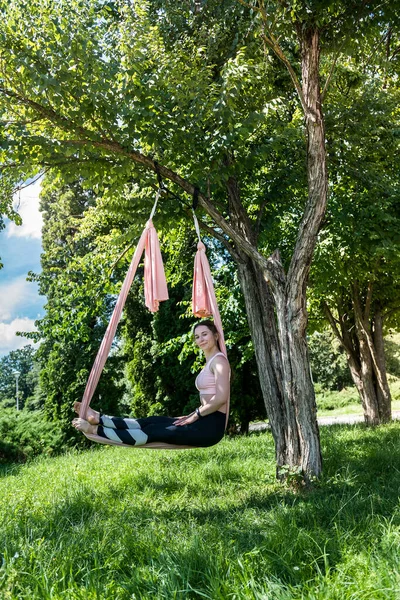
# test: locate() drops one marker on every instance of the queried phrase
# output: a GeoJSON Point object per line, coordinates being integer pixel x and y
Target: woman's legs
{"type": "Point", "coordinates": [205, 432]}
{"type": "Point", "coordinates": [118, 422]}
{"type": "Point", "coordinates": [132, 437]}
{"type": "Point", "coordinates": [130, 431]}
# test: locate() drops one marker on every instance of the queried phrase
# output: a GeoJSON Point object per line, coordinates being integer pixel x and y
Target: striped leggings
{"type": "Point", "coordinates": [204, 432]}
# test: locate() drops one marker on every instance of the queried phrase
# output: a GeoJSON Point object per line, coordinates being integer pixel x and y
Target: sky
{"type": "Point", "coordinates": [20, 248]}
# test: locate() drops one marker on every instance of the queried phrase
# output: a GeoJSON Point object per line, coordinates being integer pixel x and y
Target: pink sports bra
{"type": "Point", "coordinates": [205, 380]}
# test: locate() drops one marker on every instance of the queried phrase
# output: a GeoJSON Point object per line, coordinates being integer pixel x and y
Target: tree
{"type": "Point", "coordinates": [328, 361]}
{"type": "Point", "coordinates": [23, 361]}
{"type": "Point", "coordinates": [356, 274]}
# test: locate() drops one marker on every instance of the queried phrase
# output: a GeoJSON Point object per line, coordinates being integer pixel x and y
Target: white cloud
{"type": "Point", "coordinates": [15, 296]}
{"type": "Point", "coordinates": [8, 340]}
{"type": "Point", "coordinates": [26, 203]}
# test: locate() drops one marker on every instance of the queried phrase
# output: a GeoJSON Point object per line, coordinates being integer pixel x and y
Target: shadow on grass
{"type": "Point", "coordinates": [9, 469]}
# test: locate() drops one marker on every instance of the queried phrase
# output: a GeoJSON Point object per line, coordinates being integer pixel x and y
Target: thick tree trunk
{"type": "Point", "coordinates": [277, 312]}
{"type": "Point", "coordinates": [282, 358]}
{"type": "Point", "coordinates": [286, 384]}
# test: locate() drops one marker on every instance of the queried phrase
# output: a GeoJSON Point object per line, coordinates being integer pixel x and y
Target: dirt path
{"type": "Point", "coordinates": [340, 420]}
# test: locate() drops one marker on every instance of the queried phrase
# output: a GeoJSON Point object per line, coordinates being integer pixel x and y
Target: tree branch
{"type": "Point", "coordinates": [273, 43]}
{"type": "Point", "coordinates": [23, 187]}
{"type": "Point", "coordinates": [390, 312]}
{"type": "Point", "coordinates": [272, 269]}
{"type": "Point", "coordinates": [331, 71]}
{"type": "Point", "coordinates": [332, 321]}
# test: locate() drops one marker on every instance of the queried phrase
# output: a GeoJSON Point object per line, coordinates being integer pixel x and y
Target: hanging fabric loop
{"type": "Point", "coordinates": [204, 302]}
{"type": "Point", "coordinates": [155, 292]}
{"type": "Point", "coordinates": [196, 226]}
{"type": "Point", "coordinates": [153, 210]}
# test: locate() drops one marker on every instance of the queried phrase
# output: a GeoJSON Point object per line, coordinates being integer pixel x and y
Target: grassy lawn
{"type": "Point", "coordinates": [347, 401]}
{"type": "Point", "coordinates": [122, 524]}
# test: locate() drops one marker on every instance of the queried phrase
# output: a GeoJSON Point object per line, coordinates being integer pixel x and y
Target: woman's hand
{"type": "Point", "coordinates": [187, 420]}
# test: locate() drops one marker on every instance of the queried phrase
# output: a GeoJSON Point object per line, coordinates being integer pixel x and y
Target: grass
{"type": "Point", "coordinates": [118, 524]}
{"type": "Point", "coordinates": [347, 401]}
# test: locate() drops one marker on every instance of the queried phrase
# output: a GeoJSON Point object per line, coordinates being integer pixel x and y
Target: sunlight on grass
{"type": "Point", "coordinates": [120, 524]}
{"type": "Point", "coordinates": [347, 401]}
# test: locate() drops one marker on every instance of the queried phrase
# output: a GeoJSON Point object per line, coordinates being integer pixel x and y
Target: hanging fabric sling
{"type": "Point", "coordinates": [204, 305]}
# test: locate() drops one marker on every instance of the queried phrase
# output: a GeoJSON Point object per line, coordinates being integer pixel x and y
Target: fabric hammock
{"type": "Point", "coordinates": [204, 302]}
{"type": "Point", "coordinates": [155, 286]}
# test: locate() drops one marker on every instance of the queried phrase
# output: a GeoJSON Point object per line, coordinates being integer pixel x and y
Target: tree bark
{"type": "Point", "coordinates": [281, 355]}
{"type": "Point", "coordinates": [384, 395]}
{"type": "Point", "coordinates": [278, 324]}
{"type": "Point", "coordinates": [284, 373]}
{"type": "Point", "coordinates": [365, 356]}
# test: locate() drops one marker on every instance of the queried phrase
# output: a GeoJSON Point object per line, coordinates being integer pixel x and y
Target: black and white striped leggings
{"type": "Point", "coordinates": [204, 432]}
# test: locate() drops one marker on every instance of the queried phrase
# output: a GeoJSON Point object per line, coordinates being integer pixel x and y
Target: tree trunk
{"type": "Point", "coordinates": [282, 359]}
{"type": "Point", "coordinates": [367, 388]}
{"type": "Point", "coordinates": [285, 382]}
{"type": "Point", "coordinates": [365, 356]}
{"type": "Point", "coordinates": [276, 307]}
{"type": "Point", "coordinates": [384, 395]}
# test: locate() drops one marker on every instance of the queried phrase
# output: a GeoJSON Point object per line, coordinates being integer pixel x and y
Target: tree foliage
{"type": "Point", "coordinates": [23, 362]}
{"type": "Point", "coordinates": [75, 279]}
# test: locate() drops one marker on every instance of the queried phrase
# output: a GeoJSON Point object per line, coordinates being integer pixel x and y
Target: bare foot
{"type": "Point", "coordinates": [92, 415]}
{"type": "Point", "coordinates": [82, 425]}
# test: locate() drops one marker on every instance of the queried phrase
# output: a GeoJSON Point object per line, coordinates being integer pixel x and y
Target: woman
{"type": "Point", "coordinates": [202, 428]}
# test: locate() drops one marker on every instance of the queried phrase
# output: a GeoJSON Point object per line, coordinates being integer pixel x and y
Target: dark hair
{"type": "Point", "coordinates": [210, 325]}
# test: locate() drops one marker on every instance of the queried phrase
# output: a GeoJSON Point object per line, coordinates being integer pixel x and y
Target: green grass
{"type": "Point", "coordinates": [347, 401]}
{"type": "Point", "coordinates": [124, 524]}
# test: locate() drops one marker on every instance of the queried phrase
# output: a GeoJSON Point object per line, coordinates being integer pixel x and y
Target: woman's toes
{"type": "Point", "coordinates": [83, 425]}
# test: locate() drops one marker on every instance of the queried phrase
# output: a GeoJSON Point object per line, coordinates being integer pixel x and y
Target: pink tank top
{"type": "Point", "coordinates": [205, 380]}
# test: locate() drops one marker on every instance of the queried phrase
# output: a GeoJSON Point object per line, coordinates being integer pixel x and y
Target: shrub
{"type": "Point", "coordinates": [26, 434]}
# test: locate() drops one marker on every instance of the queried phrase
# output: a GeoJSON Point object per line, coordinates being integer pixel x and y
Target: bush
{"type": "Point", "coordinates": [26, 434]}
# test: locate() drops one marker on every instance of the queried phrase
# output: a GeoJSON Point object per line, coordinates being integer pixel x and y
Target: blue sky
{"type": "Point", "coordinates": [20, 248]}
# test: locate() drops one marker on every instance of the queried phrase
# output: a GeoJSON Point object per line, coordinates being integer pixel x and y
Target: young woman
{"type": "Point", "coordinates": [203, 427]}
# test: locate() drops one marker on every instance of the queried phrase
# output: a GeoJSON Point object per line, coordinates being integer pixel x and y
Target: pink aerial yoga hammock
{"type": "Point", "coordinates": [204, 302]}
{"type": "Point", "coordinates": [155, 288]}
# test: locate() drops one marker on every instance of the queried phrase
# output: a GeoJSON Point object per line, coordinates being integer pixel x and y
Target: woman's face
{"type": "Point", "coordinates": [205, 338]}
